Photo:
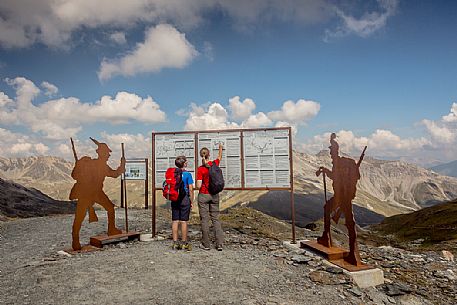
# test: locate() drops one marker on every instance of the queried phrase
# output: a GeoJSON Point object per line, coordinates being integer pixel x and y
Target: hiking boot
{"type": "Point", "coordinates": [186, 246]}
{"type": "Point", "coordinates": [205, 247]}
{"type": "Point", "coordinates": [176, 245]}
{"type": "Point", "coordinates": [219, 248]}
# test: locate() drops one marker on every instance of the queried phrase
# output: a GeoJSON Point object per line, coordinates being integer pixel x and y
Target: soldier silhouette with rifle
{"type": "Point", "coordinates": [89, 175]}
{"type": "Point", "coordinates": [344, 174]}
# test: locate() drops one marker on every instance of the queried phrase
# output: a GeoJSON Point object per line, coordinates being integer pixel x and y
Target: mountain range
{"type": "Point", "coordinates": [386, 188]}
{"type": "Point", "coordinates": [448, 169]}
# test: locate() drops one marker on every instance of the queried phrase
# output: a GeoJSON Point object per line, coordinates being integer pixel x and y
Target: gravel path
{"type": "Point", "coordinates": [31, 271]}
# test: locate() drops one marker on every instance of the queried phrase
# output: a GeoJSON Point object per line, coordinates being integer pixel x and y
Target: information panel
{"type": "Point", "coordinates": [251, 158]}
{"type": "Point", "coordinates": [167, 148]}
{"type": "Point", "coordinates": [266, 158]}
{"type": "Point", "coordinates": [231, 154]}
{"type": "Point", "coordinates": [135, 170]}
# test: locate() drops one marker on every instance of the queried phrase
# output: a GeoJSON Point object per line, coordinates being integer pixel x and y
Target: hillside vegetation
{"type": "Point", "coordinates": [429, 227]}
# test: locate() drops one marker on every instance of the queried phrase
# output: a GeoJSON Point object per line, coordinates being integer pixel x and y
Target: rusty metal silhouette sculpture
{"type": "Point", "coordinates": [89, 175]}
{"type": "Point", "coordinates": [344, 174]}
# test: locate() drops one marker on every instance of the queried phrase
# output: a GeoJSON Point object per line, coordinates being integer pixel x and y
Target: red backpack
{"type": "Point", "coordinates": [173, 186]}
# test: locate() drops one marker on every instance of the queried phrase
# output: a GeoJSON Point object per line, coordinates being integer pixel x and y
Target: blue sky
{"type": "Point", "coordinates": [381, 73]}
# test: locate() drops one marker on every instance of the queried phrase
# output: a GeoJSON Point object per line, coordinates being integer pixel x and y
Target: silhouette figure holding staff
{"type": "Point", "coordinates": [89, 175]}
{"type": "Point", "coordinates": [344, 174]}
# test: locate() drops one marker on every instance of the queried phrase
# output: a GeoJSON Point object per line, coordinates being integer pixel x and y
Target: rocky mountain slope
{"type": "Point", "coordinates": [19, 201]}
{"type": "Point", "coordinates": [386, 187]}
{"type": "Point", "coordinates": [448, 169]}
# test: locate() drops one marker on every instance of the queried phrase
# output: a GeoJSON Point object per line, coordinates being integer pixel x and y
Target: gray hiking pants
{"type": "Point", "coordinates": [208, 205]}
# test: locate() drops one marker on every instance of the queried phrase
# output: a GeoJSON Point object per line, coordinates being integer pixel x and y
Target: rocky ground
{"type": "Point", "coordinates": [254, 267]}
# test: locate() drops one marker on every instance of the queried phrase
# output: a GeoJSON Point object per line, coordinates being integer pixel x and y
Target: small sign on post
{"type": "Point", "coordinates": [135, 169]}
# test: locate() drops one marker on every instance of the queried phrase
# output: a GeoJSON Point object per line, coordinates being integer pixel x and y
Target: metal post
{"type": "Point", "coordinates": [122, 191]}
{"type": "Point", "coordinates": [146, 184]}
{"type": "Point", "coordinates": [292, 198]}
{"type": "Point", "coordinates": [125, 208]}
{"type": "Point", "coordinates": [153, 187]}
{"type": "Point", "coordinates": [124, 188]}
{"type": "Point", "coordinates": [243, 183]}
{"type": "Point", "coordinates": [196, 160]}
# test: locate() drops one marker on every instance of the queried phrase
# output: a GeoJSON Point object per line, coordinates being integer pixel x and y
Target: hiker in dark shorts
{"type": "Point", "coordinates": [180, 210]}
{"type": "Point", "coordinates": [208, 204]}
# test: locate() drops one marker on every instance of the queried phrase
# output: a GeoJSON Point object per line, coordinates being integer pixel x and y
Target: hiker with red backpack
{"type": "Point", "coordinates": [178, 188]}
{"type": "Point", "coordinates": [210, 182]}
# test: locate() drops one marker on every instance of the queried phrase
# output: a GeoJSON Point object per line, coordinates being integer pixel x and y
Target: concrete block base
{"type": "Point", "coordinates": [367, 278]}
{"type": "Point", "coordinates": [148, 237]}
{"type": "Point", "coordinates": [362, 278]}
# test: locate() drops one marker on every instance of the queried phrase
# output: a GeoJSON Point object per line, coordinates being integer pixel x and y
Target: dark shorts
{"type": "Point", "coordinates": [181, 210]}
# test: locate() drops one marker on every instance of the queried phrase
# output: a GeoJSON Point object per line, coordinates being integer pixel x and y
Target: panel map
{"type": "Point", "coordinates": [266, 158]}
{"type": "Point", "coordinates": [231, 155]}
{"type": "Point", "coordinates": [167, 148]}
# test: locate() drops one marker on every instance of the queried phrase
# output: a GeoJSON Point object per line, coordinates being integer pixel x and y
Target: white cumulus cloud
{"type": "Point", "coordinates": [257, 120]}
{"type": "Point", "coordinates": [164, 47]}
{"type": "Point", "coordinates": [380, 143]}
{"type": "Point", "coordinates": [452, 116]}
{"type": "Point", "coordinates": [296, 113]}
{"type": "Point", "coordinates": [16, 144]}
{"type": "Point", "coordinates": [41, 148]}
{"type": "Point", "coordinates": [441, 134]}
{"type": "Point", "coordinates": [49, 88]}
{"type": "Point", "coordinates": [241, 110]}
{"type": "Point", "coordinates": [215, 117]}
{"type": "Point", "coordinates": [124, 107]}
{"type": "Point", "coordinates": [136, 145]}
{"type": "Point", "coordinates": [64, 117]}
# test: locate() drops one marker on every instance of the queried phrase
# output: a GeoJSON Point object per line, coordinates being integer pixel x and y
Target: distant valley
{"type": "Point", "coordinates": [448, 169]}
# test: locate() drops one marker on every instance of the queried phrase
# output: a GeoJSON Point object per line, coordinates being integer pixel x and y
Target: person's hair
{"type": "Point", "coordinates": [180, 160]}
{"type": "Point", "coordinates": [204, 153]}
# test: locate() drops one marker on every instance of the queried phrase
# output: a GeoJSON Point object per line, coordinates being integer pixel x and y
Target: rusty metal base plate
{"type": "Point", "coordinates": [335, 255]}
{"type": "Point", "coordinates": [100, 240]}
{"type": "Point", "coordinates": [351, 268]}
{"type": "Point", "coordinates": [84, 249]}
{"type": "Point", "coordinates": [331, 254]}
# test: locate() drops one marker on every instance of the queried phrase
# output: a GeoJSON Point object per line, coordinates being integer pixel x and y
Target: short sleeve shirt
{"type": "Point", "coordinates": [203, 175]}
{"type": "Point", "coordinates": [187, 180]}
